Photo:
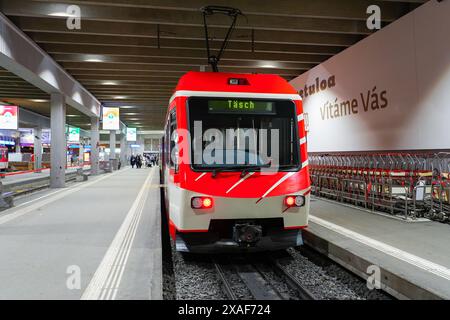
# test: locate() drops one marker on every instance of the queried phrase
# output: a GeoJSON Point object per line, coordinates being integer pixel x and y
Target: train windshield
{"type": "Point", "coordinates": [230, 133]}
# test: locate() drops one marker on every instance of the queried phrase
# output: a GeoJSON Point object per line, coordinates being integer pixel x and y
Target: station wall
{"type": "Point", "coordinates": [390, 91]}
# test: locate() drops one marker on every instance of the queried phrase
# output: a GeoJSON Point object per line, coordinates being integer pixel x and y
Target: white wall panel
{"type": "Point", "coordinates": [409, 60]}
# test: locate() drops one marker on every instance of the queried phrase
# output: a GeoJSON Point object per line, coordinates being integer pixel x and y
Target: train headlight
{"type": "Point", "coordinates": [201, 202]}
{"type": "Point", "coordinates": [294, 201]}
{"type": "Point", "coordinates": [207, 203]}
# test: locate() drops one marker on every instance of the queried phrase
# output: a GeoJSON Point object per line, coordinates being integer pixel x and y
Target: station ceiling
{"type": "Point", "coordinates": [16, 91]}
{"type": "Point", "coordinates": [130, 53]}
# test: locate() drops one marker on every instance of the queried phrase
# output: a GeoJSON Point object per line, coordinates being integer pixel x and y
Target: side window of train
{"type": "Point", "coordinates": [173, 150]}
{"type": "Point", "coordinates": [167, 144]}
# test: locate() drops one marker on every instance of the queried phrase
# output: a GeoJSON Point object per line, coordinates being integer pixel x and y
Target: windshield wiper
{"type": "Point", "coordinates": [285, 166]}
{"type": "Point", "coordinates": [244, 169]}
{"type": "Point", "coordinates": [248, 168]}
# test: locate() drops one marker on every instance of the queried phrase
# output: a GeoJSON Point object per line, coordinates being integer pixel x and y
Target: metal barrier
{"type": "Point", "coordinates": [81, 175]}
{"type": "Point", "coordinates": [412, 185]}
{"type": "Point", "coordinates": [6, 198]}
{"type": "Point", "coordinates": [105, 166]}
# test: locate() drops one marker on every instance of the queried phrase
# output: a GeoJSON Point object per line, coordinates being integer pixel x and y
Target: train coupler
{"type": "Point", "coordinates": [247, 234]}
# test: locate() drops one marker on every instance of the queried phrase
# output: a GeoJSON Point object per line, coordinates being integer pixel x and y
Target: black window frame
{"type": "Point", "coordinates": [296, 133]}
{"type": "Point", "coordinates": [173, 126]}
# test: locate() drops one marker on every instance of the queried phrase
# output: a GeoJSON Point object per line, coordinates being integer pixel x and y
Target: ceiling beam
{"type": "Point", "coordinates": [179, 53]}
{"type": "Point", "coordinates": [152, 42]}
{"type": "Point", "coordinates": [144, 70]}
{"type": "Point", "coordinates": [194, 62]}
{"type": "Point", "coordinates": [342, 9]}
{"type": "Point", "coordinates": [185, 32]}
{"type": "Point", "coordinates": [106, 12]}
{"type": "Point", "coordinates": [126, 86]}
{"type": "Point", "coordinates": [121, 83]}
{"type": "Point", "coordinates": [24, 58]}
{"type": "Point", "coordinates": [6, 96]}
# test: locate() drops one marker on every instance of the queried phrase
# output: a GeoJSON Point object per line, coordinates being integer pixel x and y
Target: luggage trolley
{"type": "Point", "coordinates": [440, 188]}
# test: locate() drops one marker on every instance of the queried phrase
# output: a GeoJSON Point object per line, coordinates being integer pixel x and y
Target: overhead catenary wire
{"type": "Point", "coordinates": [214, 60]}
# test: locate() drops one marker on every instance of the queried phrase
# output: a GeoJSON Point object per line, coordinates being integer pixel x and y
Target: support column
{"type": "Point", "coordinates": [18, 144]}
{"type": "Point", "coordinates": [123, 150]}
{"type": "Point", "coordinates": [81, 154]}
{"type": "Point", "coordinates": [112, 149]}
{"type": "Point", "coordinates": [95, 138]}
{"type": "Point", "coordinates": [37, 149]}
{"type": "Point", "coordinates": [58, 141]}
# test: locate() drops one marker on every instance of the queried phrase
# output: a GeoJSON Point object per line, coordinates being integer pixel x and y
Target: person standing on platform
{"type": "Point", "coordinates": [132, 160]}
{"type": "Point", "coordinates": [138, 161]}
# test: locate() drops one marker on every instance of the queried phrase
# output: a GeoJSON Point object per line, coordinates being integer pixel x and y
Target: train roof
{"type": "Point", "coordinates": [218, 81]}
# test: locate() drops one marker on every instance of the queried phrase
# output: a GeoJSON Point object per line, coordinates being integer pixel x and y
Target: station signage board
{"type": "Point", "coordinates": [26, 137]}
{"type": "Point", "coordinates": [131, 134]}
{"type": "Point", "coordinates": [74, 134]}
{"type": "Point", "coordinates": [111, 120]}
{"type": "Point", "coordinates": [8, 117]}
{"type": "Point", "coordinates": [46, 136]}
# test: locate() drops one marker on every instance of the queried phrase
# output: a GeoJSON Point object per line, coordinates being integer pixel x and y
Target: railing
{"type": "Point", "coordinates": [14, 173]}
{"type": "Point", "coordinates": [411, 185]}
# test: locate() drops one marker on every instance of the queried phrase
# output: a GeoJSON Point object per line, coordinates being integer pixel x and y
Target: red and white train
{"type": "Point", "coordinates": [246, 205]}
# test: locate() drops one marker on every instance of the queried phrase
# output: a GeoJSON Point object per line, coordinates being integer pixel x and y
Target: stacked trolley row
{"type": "Point", "coordinates": [408, 184]}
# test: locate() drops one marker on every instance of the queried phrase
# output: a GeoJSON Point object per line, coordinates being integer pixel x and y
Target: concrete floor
{"type": "Point", "coordinates": [98, 239]}
{"type": "Point", "coordinates": [417, 252]}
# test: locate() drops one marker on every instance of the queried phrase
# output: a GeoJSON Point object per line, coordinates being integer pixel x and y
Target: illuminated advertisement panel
{"type": "Point", "coordinates": [26, 137]}
{"type": "Point", "coordinates": [131, 134]}
{"type": "Point", "coordinates": [8, 117]}
{"type": "Point", "coordinates": [111, 118]}
{"type": "Point", "coordinates": [74, 134]}
{"type": "Point", "coordinates": [46, 134]}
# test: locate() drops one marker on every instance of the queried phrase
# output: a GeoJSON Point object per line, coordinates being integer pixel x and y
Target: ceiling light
{"type": "Point", "coordinates": [120, 97]}
{"type": "Point", "coordinates": [109, 83]}
{"type": "Point", "coordinates": [268, 64]}
{"type": "Point", "coordinates": [38, 100]}
{"type": "Point", "coordinates": [127, 107]}
{"type": "Point", "coordinates": [93, 58]}
{"type": "Point", "coordinates": [61, 14]}
{"type": "Point", "coordinates": [72, 115]}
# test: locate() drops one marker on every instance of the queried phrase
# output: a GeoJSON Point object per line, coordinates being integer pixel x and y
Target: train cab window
{"type": "Point", "coordinates": [246, 120]}
{"type": "Point", "coordinates": [173, 146]}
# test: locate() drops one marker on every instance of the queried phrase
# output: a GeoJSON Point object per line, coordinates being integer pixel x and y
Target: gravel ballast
{"type": "Point", "coordinates": [328, 281]}
{"type": "Point", "coordinates": [195, 278]}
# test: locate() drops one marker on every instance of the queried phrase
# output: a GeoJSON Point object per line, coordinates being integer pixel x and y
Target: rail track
{"type": "Point", "coordinates": [258, 285]}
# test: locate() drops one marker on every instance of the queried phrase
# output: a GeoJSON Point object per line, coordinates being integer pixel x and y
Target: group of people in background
{"type": "Point", "coordinates": [151, 160]}
{"type": "Point", "coordinates": [138, 160]}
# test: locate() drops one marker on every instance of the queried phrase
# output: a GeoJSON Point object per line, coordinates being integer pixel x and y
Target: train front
{"type": "Point", "coordinates": [242, 182]}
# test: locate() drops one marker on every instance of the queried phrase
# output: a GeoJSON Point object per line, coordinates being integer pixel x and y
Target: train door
{"type": "Point", "coordinates": [162, 158]}
{"type": "Point", "coordinates": [169, 145]}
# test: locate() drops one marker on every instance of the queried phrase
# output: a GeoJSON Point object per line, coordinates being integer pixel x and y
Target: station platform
{"type": "Point", "coordinates": [98, 239]}
{"type": "Point", "coordinates": [413, 258]}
